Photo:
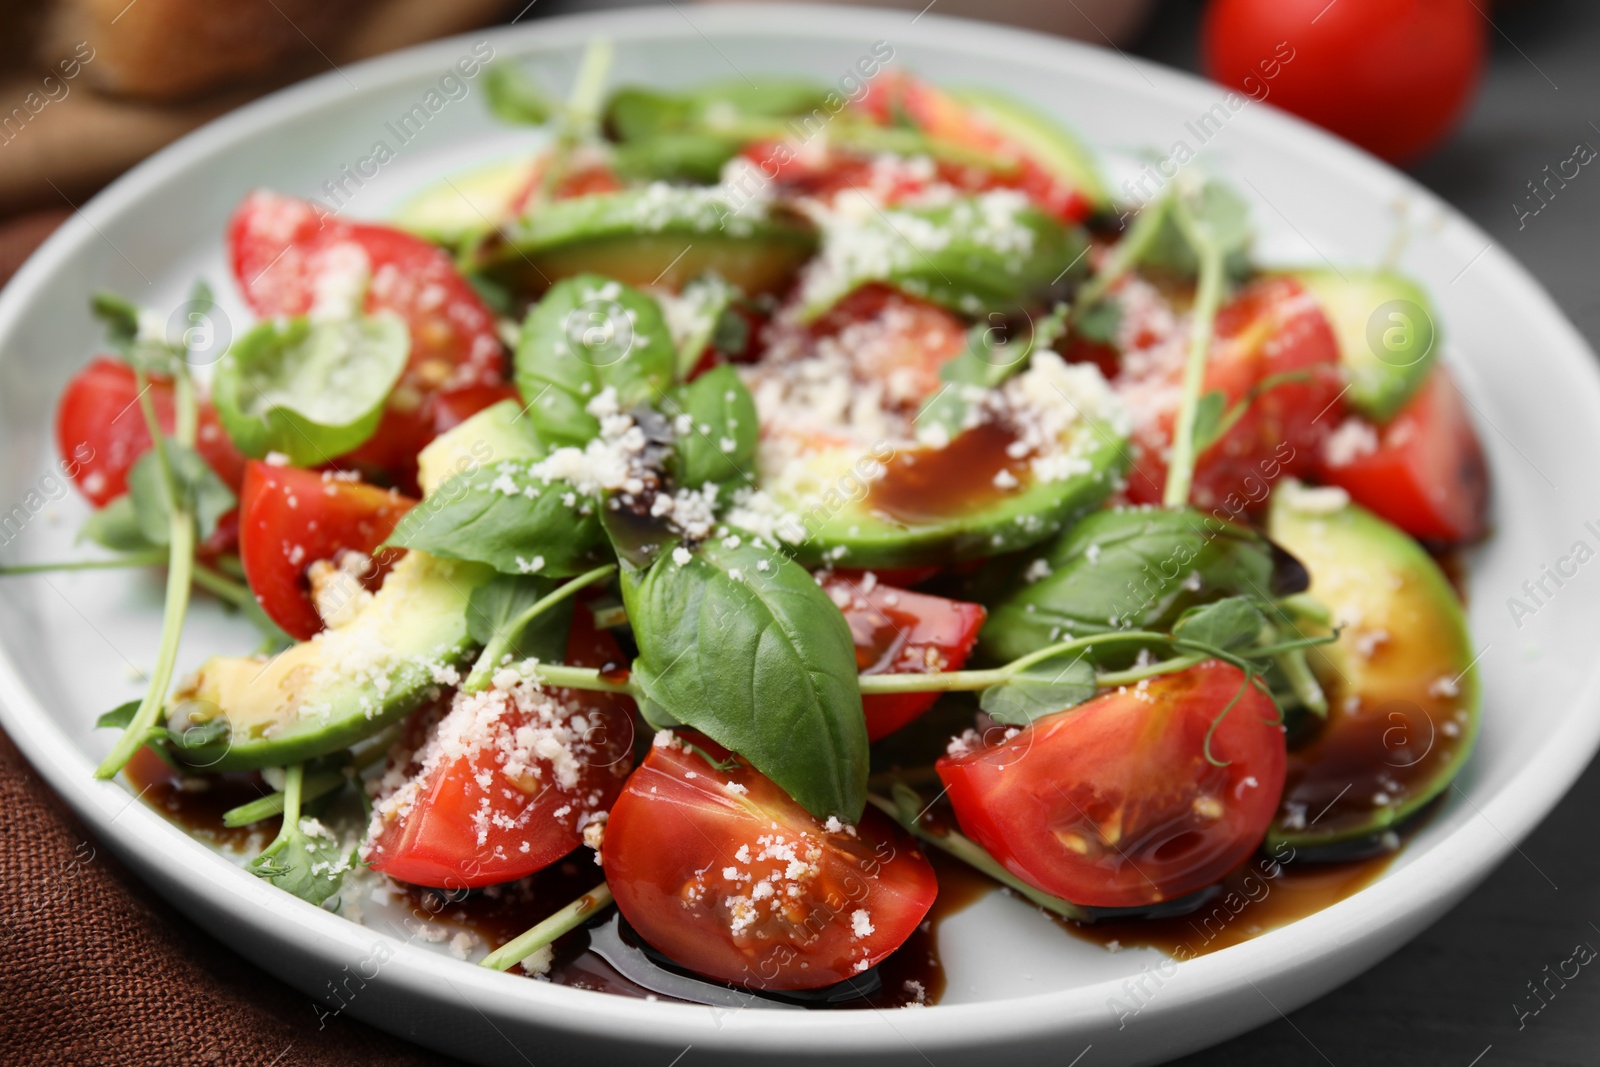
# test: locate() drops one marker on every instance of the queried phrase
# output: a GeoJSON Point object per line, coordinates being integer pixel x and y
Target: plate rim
{"type": "Point", "coordinates": [1449, 869]}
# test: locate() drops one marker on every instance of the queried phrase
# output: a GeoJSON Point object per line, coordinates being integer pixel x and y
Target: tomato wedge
{"type": "Point", "coordinates": [723, 872]}
{"type": "Point", "coordinates": [509, 780]}
{"type": "Point", "coordinates": [285, 250]}
{"type": "Point", "coordinates": [900, 632]}
{"type": "Point", "coordinates": [895, 339]}
{"type": "Point", "coordinates": [1426, 472]}
{"type": "Point", "coordinates": [1114, 804]}
{"type": "Point", "coordinates": [291, 518]}
{"type": "Point", "coordinates": [100, 430]}
{"type": "Point", "coordinates": [1272, 328]}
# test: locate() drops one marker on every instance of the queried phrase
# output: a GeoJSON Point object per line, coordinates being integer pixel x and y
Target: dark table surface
{"type": "Point", "coordinates": [1454, 996]}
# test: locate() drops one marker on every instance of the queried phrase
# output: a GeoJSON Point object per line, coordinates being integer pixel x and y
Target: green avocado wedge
{"type": "Point", "coordinates": [497, 434]}
{"type": "Point", "coordinates": [979, 254]}
{"type": "Point", "coordinates": [1045, 141]}
{"type": "Point", "coordinates": [1403, 690]}
{"type": "Point", "coordinates": [1387, 332]}
{"type": "Point", "coordinates": [659, 235]}
{"type": "Point", "coordinates": [938, 506]}
{"type": "Point", "coordinates": [345, 684]}
{"type": "Point", "coordinates": [453, 209]}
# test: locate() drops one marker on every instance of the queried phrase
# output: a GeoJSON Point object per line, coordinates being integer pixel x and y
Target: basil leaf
{"type": "Point", "coordinates": [589, 333]}
{"type": "Point", "coordinates": [310, 389]}
{"type": "Point", "coordinates": [514, 96]}
{"type": "Point", "coordinates": [119, 717]}
{"type": "Point", "coordinates": [739, 642]}
{"type": "Point", "coordinates": [307, 862]}
{"type": "Point", "coordinates": [514, 521]}
{"type": "Point", "coordinates": [495, 606]}
{"type": "Point", "coordinates": [206, 496]}
{"type": "Point", "coordinates": [716, 427]}
{"type": "Point", "coordinates": [1099, 322]}
{"type": "Point", "coordinates": [1129, 568]}
{"type": "Point", "coordinates": [116, 527]}
{"type": "Point", "coordinates": [1230, 623]}
{"type": "Point", "coordinates": [689, 136]}
{"type": "Point", "coordinates": [1044, 688]}
{"type": "Point", "coordinates": [704, 309]}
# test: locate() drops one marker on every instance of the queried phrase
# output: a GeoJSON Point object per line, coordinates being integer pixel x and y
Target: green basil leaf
{"type": "Point", "coordinates": [119, 717]}
{"type": "Point", "coordinates": [1230, 623]}
{"type": "Point", "coordinates": [589, 333]}
{"type": "Point", "coordinates": [1129, 568]}
{"type": "Point", "coordinates": [715, 430]}
{"type": "Point", "coordinates": [116, 527]}
{"type": "Point", "coordinates": [515, 96]}
{"type": "Point", "coordinates": [496, 605]}
{"type": "Point", "coordinates": [689, 136]}
{"type": "Point", "coordinates": [310, 389]}
{"type": "Point", "coordinates": [1044, 688]}
{"type": "Point", "coordinates": [1099, 322]}
{"type": "Point", "coordinates": [306, 861]}
{"type": "Point", "coordinates": [514, 521]}
{"type": "Point", "coordinates": [739, 642]}
{"type": "Point", "coordinates": [700, 318]}
{"type": "Point", "coordinates": [206, 496]}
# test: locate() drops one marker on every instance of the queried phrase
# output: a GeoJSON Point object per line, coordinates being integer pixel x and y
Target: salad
{"type": "Point", "coordinates": [749, 494]}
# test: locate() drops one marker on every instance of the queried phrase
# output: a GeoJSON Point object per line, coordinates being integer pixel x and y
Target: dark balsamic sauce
{"type": "Point", "coordinates": [931, 485]}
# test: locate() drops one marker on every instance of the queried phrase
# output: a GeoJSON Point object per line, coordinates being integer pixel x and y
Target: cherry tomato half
{"type": "Point", "coordinates": [1114, 804]}
{"type": "Point", "coordinates": [509, 780]}
{"type": "Point", "coordinates": [283, 250]}
{"type": "Point", "coordinates": [1272, 328]}
{"type": "Point", "coordinates": [100, 430]}
{"type": "Point", "coordinates": [291, 518]}
{"type": "Point", "coordinates": [1394, 76]}
{"type": "Point", "coordinates": [899, 632]}
{"type": "Point", "coordinates": [1427, 474]}
{"type": "Point", "coordinates": [893, 339]}
{"type": "Point", "coordinates": [723, 872]}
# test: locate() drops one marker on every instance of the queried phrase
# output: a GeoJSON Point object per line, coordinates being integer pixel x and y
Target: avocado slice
{"type": "Point", "coordinates": [937, 506]}
{"type": "Point", "coordinates": [450, 210]}
{"type": "Point", "coordinates": [660, 235]}
{"type": "Point", "coordinates": [1387, 332]}
{"type": "Point", "coordinates": [993, 252]}
{"type": "Point", "coordinates": [344, 684]}
{"type": "Point", "coordinates": [1045, 141]}
{"type": "Point", "coordinates": [1401, 680]}
{"type": "Point", "coordinates": [498, 433]}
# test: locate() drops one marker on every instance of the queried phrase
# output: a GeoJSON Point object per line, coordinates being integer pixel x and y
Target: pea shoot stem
{"type": "Point", "coordinates": [906, 809]}
{"type": "Point", "coordinates": [566, 920]}
{"type": "Point", "coordinates": [1208, 299]}
{"type": "Point", "coordinates": [504, 638]}
{"type": "Point", "coordinates": [150, 558]}
{"type": "Point", "coordinates": [180, 568]}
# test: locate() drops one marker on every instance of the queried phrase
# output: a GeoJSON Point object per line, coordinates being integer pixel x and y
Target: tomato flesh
{"type": "Point", "coordinates": [1114, 804]}
{"type": "Point", "coordinates": [1272, 327]}
{"type": "Point", "coordinates": [284, 249]}
{"type": "Point", "coordinates": [894, 339]}
{"type": "Point", "coordinates": [509, 781]}
{"type": "Point", "coordinates": [101, 432]}
{"type": "Point", "coordinates": [900, 632]}
{"type": "Point", "coordinates": [728, 876]}
{"type": "Point", "coordinates": [291, 518]}
{"type": "Point", "coordinates": [1427, 474]}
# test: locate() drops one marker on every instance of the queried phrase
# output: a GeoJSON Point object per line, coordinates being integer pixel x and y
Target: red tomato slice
{"type": "Point", "coordinates": [895, 339]}
{"type": "Point", "coordinates": [1113, 803]}
{"type": "Point", "coordinates": [291, 518]}
{"type": "Point", "coordinates": [284, 249]}
{"type": "Point", "coordinates": [579, 181]}
{"type": "Point", "coordinates": [1427, 475]}
{"type": "Point", "coordinates": [1271, 327]}
{"type": "Point", "coordinates": [727, 875]}
{"type": "Point", "coordinates": [509, 780]}
{"type": "Point", "coordinates": [899, 632]}
{"type": "Point", "coordinates": [100, 430]}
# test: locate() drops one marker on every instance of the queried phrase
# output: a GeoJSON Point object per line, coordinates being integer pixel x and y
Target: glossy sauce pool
{"type": "Point", "coordinates": [931, 485]}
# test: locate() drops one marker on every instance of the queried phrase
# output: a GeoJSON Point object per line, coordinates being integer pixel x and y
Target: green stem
{"type": "Point", "coordinates": [319, 784]}
{"type": "Point", "coordinates": [561, 676]}
{"type": "Point", "coordinates": [180, 570]}
{"type": "Point", "coordinates": [1135, 675]}
{"type": "Point", "coordinates": [150, 558]}
{"type": "Point", "coordinates": [905, 810]}
{"type": "Point", "coordinates": [1208, 298]}
{"type": "Point", "coordinates": [505, 637]}
{"type": "Point", "coordinates": [580, 117]}
{"type": "Point", "coordinates": [218, 585]}
{"type": "Point", "coordinates": [1125, 253]}
{"type": "Point", "coordinates": [564, 921]}
{"type": "Point", "coordinates": [1305, 685]}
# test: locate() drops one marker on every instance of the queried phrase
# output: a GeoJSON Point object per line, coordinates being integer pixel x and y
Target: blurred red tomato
{"type": "Point", "coordinates": [1394, 76]}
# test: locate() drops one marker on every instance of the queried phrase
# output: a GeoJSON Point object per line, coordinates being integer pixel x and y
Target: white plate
{"type": "Point", "coordinates": [1018, 989]}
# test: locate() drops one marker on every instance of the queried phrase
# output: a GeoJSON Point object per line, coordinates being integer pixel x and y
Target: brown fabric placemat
{"type": "Point", "coordinates": [96, 969]}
